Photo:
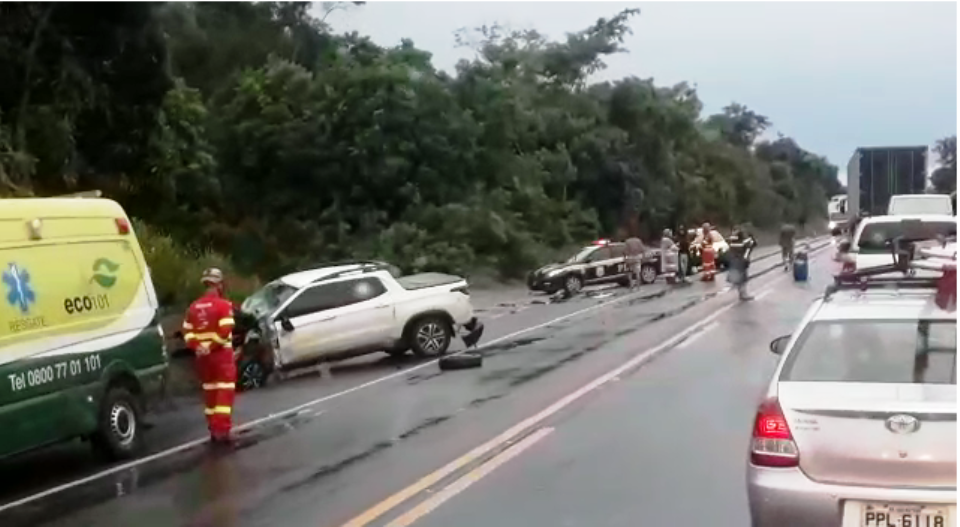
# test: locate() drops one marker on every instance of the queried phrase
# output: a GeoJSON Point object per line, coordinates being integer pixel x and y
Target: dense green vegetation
{"type": "Point", "coordinates": [252, 130]}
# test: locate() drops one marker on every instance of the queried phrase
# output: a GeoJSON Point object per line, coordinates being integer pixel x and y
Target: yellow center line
{"type": "Point", "coordinates": [475, 475]}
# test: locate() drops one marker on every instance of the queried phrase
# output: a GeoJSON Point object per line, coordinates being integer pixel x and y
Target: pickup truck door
{"type": "Point", "coordinates": [364, 320]}
{"type": "Point", "coordinates": [334, 316]}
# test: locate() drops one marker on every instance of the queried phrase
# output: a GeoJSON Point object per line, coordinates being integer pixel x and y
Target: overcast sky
{"type": "Point", "coordinates": [834, 76]}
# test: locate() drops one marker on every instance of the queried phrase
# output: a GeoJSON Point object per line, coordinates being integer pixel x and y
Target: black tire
{"type": "Point", "coordinates": [251, 375]}
{"type": "Point", "coordinates": [430, 336]}
{"type": "Point", "coordinates": [119, 426]}
{"type": "Point", "coordinates": [572, 284]}
{"type": "Point", "coordinates": [648, 273]}
{"type": "Point", "coordinates": [461, 361]}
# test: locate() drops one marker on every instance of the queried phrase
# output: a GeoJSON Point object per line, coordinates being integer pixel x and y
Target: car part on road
{"type": "Point", "coordinates": [118, 427]}
{"type": "Point", "coordinates": [461, 361]}
{"type": "Point", "coordinates": [430, 336]}
{"type": "Point", "coordinates": [474, 330]}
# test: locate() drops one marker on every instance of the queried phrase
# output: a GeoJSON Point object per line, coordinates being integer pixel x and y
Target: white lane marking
{"type": "Point", "coordinates": [468, 479]}
{"type": "Point", "coordinates": [196, 442]}
{"type": "Point", "coordinates": [696, 336]}
{"type": "Point", "coordinates": [764, 293]}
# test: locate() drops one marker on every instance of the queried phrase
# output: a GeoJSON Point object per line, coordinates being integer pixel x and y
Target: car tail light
{"type": "Point", "coordinates": [772, 444]}
{"type": "Point", "coordinates": [123, 226]}
{"type": "Point", "coordinates": [462, 289]}
{"type": "Point", "coordinates": [946, 297]}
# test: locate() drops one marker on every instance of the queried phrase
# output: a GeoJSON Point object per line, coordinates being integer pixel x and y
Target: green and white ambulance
{"type": "Point", "coordinates": [81, 349]}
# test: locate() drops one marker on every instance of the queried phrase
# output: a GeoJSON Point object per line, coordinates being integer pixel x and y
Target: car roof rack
{"type": "Point", "coordinates": [364, 266]}
{"type": "Point", "coordinates": [929, 254]}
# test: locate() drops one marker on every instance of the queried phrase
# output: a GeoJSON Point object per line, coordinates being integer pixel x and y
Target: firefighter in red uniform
{"type": "Point", "coordinates": [208, 328]}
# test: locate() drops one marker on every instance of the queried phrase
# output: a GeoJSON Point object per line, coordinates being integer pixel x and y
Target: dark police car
{"type": "Point", "coordinates": [601, 262]}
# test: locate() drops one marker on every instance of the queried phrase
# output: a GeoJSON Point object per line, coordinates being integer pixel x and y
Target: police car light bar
{"type": "Point", "coordinates": [602, 242]}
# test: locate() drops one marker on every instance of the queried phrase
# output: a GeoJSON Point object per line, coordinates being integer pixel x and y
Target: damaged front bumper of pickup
{"type": "Point", "coordinates": [472, 331]}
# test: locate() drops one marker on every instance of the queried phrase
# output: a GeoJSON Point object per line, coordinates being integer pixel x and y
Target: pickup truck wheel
{"type": "Point", "coordinates": [648, 273]}
{"type": "Point", "coordinates": [119, 430]}
{"type": "Point", "coordinates": [430, 336]}
{"type": "Point", "coordinates": [252, 374]}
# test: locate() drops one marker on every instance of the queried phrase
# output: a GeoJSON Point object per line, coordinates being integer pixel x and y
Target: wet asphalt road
{"type": "Point", "coordinates": [338, 457]}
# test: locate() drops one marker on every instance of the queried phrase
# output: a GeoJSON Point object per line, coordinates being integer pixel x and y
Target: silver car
{"type": "Point", "coordinates": [858, 427]}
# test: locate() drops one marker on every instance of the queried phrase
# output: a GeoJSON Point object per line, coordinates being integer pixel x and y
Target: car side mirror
{"type": "Point", "coordinates": [779, 345]}
{"type": "Point", "coordinates": [286, 324]}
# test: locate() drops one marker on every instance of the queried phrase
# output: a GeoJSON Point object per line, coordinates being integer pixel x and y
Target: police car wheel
{"type": "Point", "coordinates": [648, 273]}
{"type": "Point", "coordinates": [572, 284]}
{"type": "Point", "coordinates": [119, 430]}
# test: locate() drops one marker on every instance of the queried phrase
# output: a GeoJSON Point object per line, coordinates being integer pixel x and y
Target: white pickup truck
{"type": "Point", "coordinates": [351, 309]}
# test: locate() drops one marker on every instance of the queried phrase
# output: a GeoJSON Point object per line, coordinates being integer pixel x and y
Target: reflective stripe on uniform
{"type": "Point", "coordinates": [213, 337]}
{"type": "Point", "coordinates": [218, 410]}
{"type": "Point", "coordinates": [189, 336]}
{"type": "Point", "coordinates": [226, 321]}
{"type": "Point", "coordinates": [219, 386]}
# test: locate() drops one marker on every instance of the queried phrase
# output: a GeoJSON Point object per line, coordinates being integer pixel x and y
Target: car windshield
{"type": "Point", "coordinates": [873, 351]}
{"type": "Point", "coordinates": [876, 237]}
{"type": "Point", "coordinates": [582, 255]}
{"type": "Point", "coordinates": [267, 299]}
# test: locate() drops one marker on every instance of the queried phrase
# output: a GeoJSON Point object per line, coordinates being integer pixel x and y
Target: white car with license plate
{"type": "Point", "coordinates": [858, 427]}
{"type": "Point", "coordinates": [352, 309]}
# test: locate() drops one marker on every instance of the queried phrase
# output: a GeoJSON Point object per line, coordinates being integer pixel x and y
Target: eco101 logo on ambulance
{"type": "Point", "coordinates": [21, 296]}
{"type": "Point", "coordinates": [105, 275]}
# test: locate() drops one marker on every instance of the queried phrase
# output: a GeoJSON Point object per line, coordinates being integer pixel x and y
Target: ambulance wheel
{"type": "Point", "coordinates": [119, 427]}
{"type": "Point", "coordinates": [648, 273]}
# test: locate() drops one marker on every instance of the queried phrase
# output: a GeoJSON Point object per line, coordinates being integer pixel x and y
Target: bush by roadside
{"type": "Point", "coordinates": [176, 269]}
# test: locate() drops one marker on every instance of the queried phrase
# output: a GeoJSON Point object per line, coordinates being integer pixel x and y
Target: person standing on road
{"type": "Point", "coordinates": [741, 244]}
{"type": "Point", "coordinates": [208, 332]}
{"type": "Point", "coordinates": [683, 250]}
{"type": "Point", "coordinates": [669, 258]}
{"type": "Point", "coordinates": [635, 251]}
{"type": "Point", "coordinates": [787, 236]}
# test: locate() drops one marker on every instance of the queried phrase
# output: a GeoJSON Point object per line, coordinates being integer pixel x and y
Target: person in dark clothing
{"type": "Point", "coordinates": [741, 244]}
{"type": "Point", "coordinates": [682, 239]}
{"type": "Point", "coordinates": [788, 235]}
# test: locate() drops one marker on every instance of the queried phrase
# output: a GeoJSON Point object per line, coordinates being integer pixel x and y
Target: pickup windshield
{"type": "Point", "coordinates": [875, 351]}
{"type": "Point", "coordinates": [876, 237]}
{"type": "Point", "coordinates": [267, 299]}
